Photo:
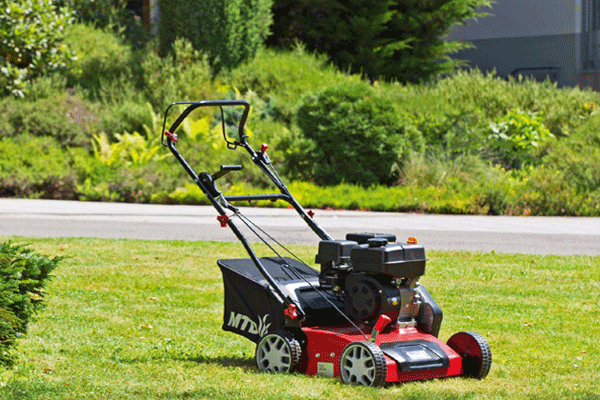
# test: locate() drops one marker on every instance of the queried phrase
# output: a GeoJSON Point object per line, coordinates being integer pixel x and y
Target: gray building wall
{"type": "Point", "coordinates": [539, 38]}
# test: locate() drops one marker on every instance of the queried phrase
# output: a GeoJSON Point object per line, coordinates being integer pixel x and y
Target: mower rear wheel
{"type": "Point", "coordinates": [475, 353]}
{"type": "Point", "coordinates": [363, 363]}
{"type": "Point", "coordinates": [278, 352]}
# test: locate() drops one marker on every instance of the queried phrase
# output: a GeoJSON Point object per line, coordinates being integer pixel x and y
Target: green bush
{"type": "Point", "coordinates": [393, 39]}
{"type": "Point", "coordinates": [229, 31]}
{"type": "Point", "coordinates": [23, 276]}
{"type": "Point", "coordinates": [518, 138]}
{"type": "Point", "coordinates": [486, 97]}
{"type": "Point", "coordinates": [128, 115]}
{"type": "Point", "coordinates": [101, 13]}
{"type": "Point", "coordinates": [101, 57]}
{"type": "Point", "coordinates": [128, 170]}
{"type": "Point", "coordinates": [283, 77]}
{"type": "Point", "coordinates": [68, 118]}
{"type": "Point", "coordinates": [577, 156]}
{"type": "Point", "coordinates": [36, 167]}
{"type": "Point", "coordinates": [112, 15]}
{"type": "Point", "coordinates": [31, 35]}
{"type": "Point", "coordinates": [183, 75]}
{"type": "Point", "coordinates": [352, 134]}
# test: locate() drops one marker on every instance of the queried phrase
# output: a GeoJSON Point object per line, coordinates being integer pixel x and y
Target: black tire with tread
{"type": "Point", "coordinates": [373, 368]}
{"type": "Point", "coordinates": [281, 345]}
{"type": "Point", "coordinates": [475, 353]}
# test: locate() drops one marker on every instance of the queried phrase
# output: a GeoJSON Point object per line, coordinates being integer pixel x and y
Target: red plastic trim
{"type": "Point", "coordinates": [172, 136]}
{"type": "Point", "coordinates": [223, 219]}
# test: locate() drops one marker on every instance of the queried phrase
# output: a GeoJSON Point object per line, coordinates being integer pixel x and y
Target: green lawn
{"type": "Point", "coordinates": [142, 320]}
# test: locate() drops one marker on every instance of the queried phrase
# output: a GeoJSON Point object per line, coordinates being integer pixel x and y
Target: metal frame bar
{"type": "Point", "coordinates": [261, 160]}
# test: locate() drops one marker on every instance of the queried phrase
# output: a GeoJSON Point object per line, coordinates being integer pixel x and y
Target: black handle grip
{"type": "Point", "coordinates": [207, 103]}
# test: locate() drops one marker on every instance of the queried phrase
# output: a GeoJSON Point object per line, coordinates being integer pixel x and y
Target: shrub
{"type": "Point", "coordinates": [128, 170]}
{"type": "Point", "coordinates": [68, 118]}
{"type": "Point", "coordinates": [487, 97]}
{"type": "Point", "coordinates": [518, 138]}
{"type": "Point", "coordinates": [229, 31]}
{"type": "Point", "coordinates": [577, 156]}
{"type": "Point", "coordinates": [353, 135]}
{"type": "Point", "coordinates": [36, 167]}
{"type": "Point", "coordinates": [31, 34]}
{"type": "Point", "coordinates": [101, 13]}
{"type": "Point", "coordinates": [128, 115]}
{"type": "Point", "coordinates": [390, 39]}
{"type": "Point", "coordinates": [23, 275]}
{"type": "Point", "coordinates": [183, 75]}
{"type": "Point", "coordinates": [111, 15]}
{"type": "Point", "coordinates": [101, 57]}
{"type": "Point", "coordinates": [283, 77]}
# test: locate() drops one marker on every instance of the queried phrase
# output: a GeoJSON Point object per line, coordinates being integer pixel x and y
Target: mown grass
{"type": "Point", "coordinates": [142, 320]}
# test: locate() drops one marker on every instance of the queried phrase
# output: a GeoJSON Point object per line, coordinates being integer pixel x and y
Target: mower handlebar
{"type": "Point", "coordinates": [207, 103]}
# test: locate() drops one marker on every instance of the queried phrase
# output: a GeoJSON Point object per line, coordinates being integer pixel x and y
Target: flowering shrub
{"type": "Point", "coordinates": [31, 33]}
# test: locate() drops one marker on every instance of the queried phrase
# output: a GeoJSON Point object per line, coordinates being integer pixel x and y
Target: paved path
{"type": "Point", "coordinates": [535, 235]}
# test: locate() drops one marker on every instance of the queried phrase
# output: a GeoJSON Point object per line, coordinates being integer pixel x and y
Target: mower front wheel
{"type": "Point", "coordinates": [363, 363]}
{"type": "Point", "coordinates": [475, 353]}
{"type": "Point", "coordinates": [278, 352]}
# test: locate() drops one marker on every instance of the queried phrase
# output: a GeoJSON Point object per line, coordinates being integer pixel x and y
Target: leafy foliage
{"type": "Point", "coordinates": [129, 169]}
{"type": "Point", "coordinates": [442, 161]}
{"type": "Point", "coordinates": [518, 137]}
{"type": "Point", "coordinates": [23, 275]}
{"type": "Point", "coordinates": [283, 77]}
{"type": "Point", "coordinates": [31, 34]}
{"type": "Point", "coordinates": [184, 74]}
{"type": "Point", "coordinates": [109, 15]}
{"type": "Point", "coordinates": [353, 135]}
{"type": "Point", "coordinates": [228, 31]}
{"type": "Point", "coordinates": [68, 118]}
{"type": "Point", "coordinates": [102, 57]}
{"type": "Point", "coordinates": [36, 167]}
{"type": "Point", "coordinates": [388, 39]}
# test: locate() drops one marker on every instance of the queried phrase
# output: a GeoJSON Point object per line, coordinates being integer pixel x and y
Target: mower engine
{"type": "Point", "coordinates": [374, 276]}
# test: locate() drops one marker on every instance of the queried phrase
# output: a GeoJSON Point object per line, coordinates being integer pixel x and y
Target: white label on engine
{"type": "Point", "coordinates": [325, 369]}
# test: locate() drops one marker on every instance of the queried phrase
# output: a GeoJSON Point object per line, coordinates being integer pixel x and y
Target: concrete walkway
{"type": "Point", "coordinates": [535, 235]}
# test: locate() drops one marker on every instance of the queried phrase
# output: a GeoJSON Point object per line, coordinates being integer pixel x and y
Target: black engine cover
{"type": "Point", "coordinates": [367, 299]}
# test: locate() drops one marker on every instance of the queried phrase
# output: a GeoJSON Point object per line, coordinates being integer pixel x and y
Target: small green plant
{"type": "Point", "coordinates": [130, 149]}
{"type": "Point", "coordinates": [130, 169]}
{"type": "Point", "coordinates": [23, 275]}
{"type": "Point", "coordinates": [518, 137]}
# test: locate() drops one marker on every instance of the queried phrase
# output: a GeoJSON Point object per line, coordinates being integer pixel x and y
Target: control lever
{"type": "Point", "coordinates": [208, 180]}
{"type": "Point", "coordinates": [225, 169]}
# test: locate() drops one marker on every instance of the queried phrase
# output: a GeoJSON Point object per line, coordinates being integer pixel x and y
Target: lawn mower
{"type": "Point", "coordinates": [362, 316]}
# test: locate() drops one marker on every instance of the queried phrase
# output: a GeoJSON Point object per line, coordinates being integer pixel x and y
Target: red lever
{"type": "Point", "coordinates": [172, 136]}
{"type": "Point", "coordinates": [223, 219]}
{"type": "Point", "coordinates": [263, 147]}
{"type": "Point", "coordinates": [381, 323]}
{"type": "Point", "coordinates": [291, 311]}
